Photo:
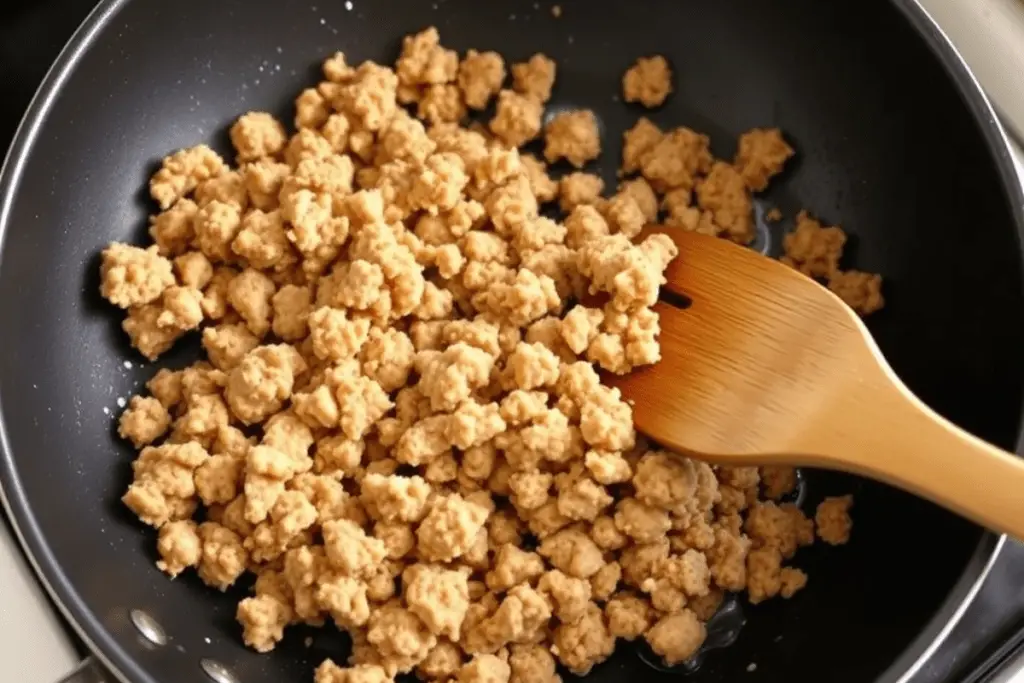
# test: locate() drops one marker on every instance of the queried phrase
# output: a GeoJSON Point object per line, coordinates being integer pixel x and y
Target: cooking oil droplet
{"type": "Point", "coordinates": [723, 629]}
{"type": "Point", "coordinates": [762, 242]}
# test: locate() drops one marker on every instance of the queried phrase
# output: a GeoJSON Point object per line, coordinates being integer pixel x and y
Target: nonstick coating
{"type": "Point", "coordinates": [894, 140]}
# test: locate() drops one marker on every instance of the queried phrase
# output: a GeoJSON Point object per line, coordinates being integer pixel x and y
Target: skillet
{"type": "Point", "coordinates": [895, 141]}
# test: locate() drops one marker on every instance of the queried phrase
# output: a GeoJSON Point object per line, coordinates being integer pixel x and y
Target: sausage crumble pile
{"type": "Point", "coordinates": [398, 427]}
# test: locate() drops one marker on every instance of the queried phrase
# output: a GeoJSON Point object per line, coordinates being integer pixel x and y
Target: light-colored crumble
{"type": "Point", "coordinates": [131, 276]}
{"type": "Point", "coordinates": [573, 136]}
{"type": "Point", "coordinates": [398, 426]}
{"type": "Point", "coordinates": [816, 250]}
{"type": "Point", "coordinates": [579, 188]}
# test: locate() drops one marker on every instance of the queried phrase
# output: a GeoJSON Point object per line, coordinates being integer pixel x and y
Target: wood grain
{"type": "Point", "coordinates": [767, 366]}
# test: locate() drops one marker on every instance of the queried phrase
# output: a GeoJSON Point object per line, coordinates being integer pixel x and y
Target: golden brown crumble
{"type": "Point", "coordinates": [762, 153]}
{"type": "Point", "coordinates": [535, 77]}
{"type": "Point", "coordinates": [397, 395]}
{"type": "Point", "coordinates": [573, 136]}
{"type": "Point", "coordinates": [833, 519]}
{"type": "Point", "coordinates": [648, 82]}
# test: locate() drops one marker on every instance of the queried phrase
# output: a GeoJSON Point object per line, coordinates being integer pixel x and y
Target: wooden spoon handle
{"type": "Point", "coordinates": [904, 442]}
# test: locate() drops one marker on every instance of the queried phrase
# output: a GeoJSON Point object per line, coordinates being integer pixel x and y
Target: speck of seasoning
{"type": "Point", "coordinates": [752, 667]}
{"type": "Point", "coordinates": [121, 403]}
{"type": "Point", "coordinates": [556, 11]}
{"type": "Point", "coordinates": [106, 410]}
{"type": "Point", "coordinates": [128, 365]}
{"type": "Point", "coordinates": [348, 5]}
{"type": "Point", "coordinates": [323, 22]}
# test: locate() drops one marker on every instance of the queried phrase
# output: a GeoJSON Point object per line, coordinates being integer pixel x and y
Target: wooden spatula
{"type": "Point", "coordinates": [766, 366]}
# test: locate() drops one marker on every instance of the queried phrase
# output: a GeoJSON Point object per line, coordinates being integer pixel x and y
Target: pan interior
{"type": "Point", "coordinates": [887, 147]}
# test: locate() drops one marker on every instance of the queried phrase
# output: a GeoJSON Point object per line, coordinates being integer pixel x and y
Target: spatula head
{"type": "Point", "coordinates": [752, 366]}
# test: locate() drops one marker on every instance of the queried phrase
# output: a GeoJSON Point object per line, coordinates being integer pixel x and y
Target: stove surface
{"type": "Point", "coordinates": [34, 645]}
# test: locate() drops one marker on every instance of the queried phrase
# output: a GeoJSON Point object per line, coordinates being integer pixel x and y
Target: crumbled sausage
{"type": "Point", "coordinates": [394, 498]}
{"type": "Point", "coordinates": [132, 276]}
{"type": "Point", "coordinates": [401, 638]}
{"type": "Point", "coordinates": [762, 153]}
{"type": "Point", "coordinates": [573, 136]}
{"type": "Point", "coordinates": [145, 421]}
{"type": "Point", "coordinates": [350, 550]}
{"type": "Point", "coordinates": [438, 596]}
{"type": "Point", "coordinates": [480, 77]}
{"type": "Point", "coordinates": [450, 528]}
{"type": "Point", "coordinates": [532, 664]}
{"type": "Point", "coordinates": [778, 480]}
{"type": "Point", "coordinates": [573, 552]}
{"type": "Point", "coordinates": [400, 394]}
{"type": "Point", "coordinates": [648, 82]}
{"type": "Point", "coordinates": [179, 547]}
{"type": "Point", "coordinates": [584, 643]}
{"type": "Point", "coordinates": [485, 668]}
{"type": "Point", "coordinates": [861, 291]}
{"type": "Point", "coordinates": [578, 188]}
{"type": "Point", "coordinates": [676, 637]}
{"type": "Point", "coordinates": [813, 249]}
{"type": "Point", "coordinates": [723, 194]}
{"type": "Point", "coordinates": [517, 118]}
{"type": "Point", "coordinates": [833, 519]}
{"type": "Point", "coordinates": [535, 77]}
{"type": "Point", "coordinates": [182, 171]}
{"type": "Point", "coordinates": [256, 135]}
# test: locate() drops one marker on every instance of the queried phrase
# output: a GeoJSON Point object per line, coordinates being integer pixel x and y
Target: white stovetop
{"type": "Point", "coordinates": [989, 34]}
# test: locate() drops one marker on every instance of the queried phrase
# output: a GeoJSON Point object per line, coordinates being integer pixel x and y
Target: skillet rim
{"type": "Point", "coordinates": [124, 667]}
